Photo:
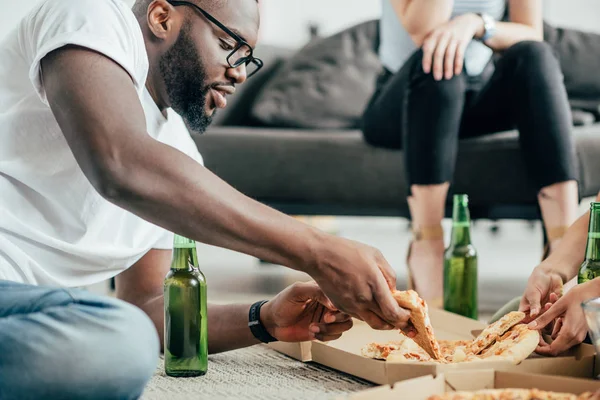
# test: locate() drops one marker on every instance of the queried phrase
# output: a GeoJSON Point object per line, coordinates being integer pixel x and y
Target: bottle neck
{"type": "Point", "coordinates": [592, 250]}
{"type": "Point", "coordinates": [184, 259]}
{"type": "Point", "coordinates": [461, 234]}
{"type": "Point", "coordinates": [461, 225]}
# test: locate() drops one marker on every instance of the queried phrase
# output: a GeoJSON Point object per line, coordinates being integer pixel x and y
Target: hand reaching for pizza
{"type": "Point", "coordinates": [570, 325]}
{"type": "Point", "coordinates": [544, 285]}
{"type": "Point", "coordinates": [302, 312]}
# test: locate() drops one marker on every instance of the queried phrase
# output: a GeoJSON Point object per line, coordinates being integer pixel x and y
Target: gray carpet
{"type": "Point", "coordinates": [256, 372]}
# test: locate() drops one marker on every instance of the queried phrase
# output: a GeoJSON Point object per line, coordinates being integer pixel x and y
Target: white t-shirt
{"type": "Point", "coordinates": [55, 229]}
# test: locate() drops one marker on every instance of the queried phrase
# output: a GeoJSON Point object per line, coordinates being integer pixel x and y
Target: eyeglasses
{"type": "Point", "coordinates": [242, 52]}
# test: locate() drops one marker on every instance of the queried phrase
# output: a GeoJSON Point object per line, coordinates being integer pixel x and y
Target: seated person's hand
{"type": "Point", "coordinates": [570, 326]}
{"type": "Point", "coordinates": [444, 48]}
{"type": "Point", "coordinates": [302, 312]}
{"type": "Point", "coordinates": [544, 286]}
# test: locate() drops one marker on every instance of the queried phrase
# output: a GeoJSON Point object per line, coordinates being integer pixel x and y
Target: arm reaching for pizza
{"type": "Point", "coordinates": [561, 266]}
{"type": "Point", "coordinates": [167, 188]}
{"type": "Point", "coordinates": [570, 328]}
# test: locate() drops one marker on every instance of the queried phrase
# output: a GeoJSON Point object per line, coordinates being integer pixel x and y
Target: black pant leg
{"type": "Point", "coordinates": [527, 91]}
{"type": "Point", "coordinates": [413, 112]}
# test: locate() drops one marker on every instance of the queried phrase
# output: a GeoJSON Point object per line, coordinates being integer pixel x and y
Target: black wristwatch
{"type": "Point", "coordinates": [256, 327]}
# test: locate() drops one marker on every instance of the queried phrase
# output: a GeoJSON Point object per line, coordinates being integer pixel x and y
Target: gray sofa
{"type": "Point", "coordinates": [325, 171]}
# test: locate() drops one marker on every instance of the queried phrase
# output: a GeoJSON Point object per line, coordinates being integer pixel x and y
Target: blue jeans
{"type": "Point", "coordinates": [68, 343]}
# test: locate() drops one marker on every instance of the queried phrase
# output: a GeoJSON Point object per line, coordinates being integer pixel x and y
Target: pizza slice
{"type": "Point", "coordinates": [490, 334]}
{"type": "Point", "coordinates": [505, 394]}
{"type": "Point", "coordinates": [402, 350]}
{"type": "Point", "coordinates": [453, 351]}
{"type": "Point", "coordinates": [419, 316]}
{"type": "Point", "coordinates": [515, 345]}
{"type": "Point", "coordinates": [380, 351]}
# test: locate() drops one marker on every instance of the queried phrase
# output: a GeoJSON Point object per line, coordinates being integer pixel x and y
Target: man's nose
{"type": "Point", "coordinates": [237, 74]}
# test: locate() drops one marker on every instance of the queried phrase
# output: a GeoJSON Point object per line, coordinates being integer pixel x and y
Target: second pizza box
{"type": "Point", "coordinates": [424, 387]}
{"type": "Point", "coordinates": [344, 354]}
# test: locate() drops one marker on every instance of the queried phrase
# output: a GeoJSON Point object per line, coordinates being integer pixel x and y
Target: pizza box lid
{"type": "Point", "coordinates": [344, 354]}
{"type": "Point", "coordinates": [423, 387]}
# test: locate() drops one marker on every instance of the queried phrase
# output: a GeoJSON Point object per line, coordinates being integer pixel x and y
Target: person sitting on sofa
{"type": "Point", "coordinates": [442, 82]}
{"type": "Point", "coordinates": [96, 171]}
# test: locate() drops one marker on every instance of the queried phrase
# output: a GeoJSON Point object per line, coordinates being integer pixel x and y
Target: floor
{"type": "Point", "coordinates": [508, 251]}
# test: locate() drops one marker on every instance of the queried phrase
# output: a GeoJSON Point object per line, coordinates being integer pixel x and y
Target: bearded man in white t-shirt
{"type": "Point", "coordinates": [97, 168]}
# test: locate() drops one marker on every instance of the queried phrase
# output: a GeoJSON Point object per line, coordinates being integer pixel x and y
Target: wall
{"type": "Point", "coordinates": [285, 21]}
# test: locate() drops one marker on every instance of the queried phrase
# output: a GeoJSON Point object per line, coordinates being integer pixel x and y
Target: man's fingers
{"type": "Point", "coordinates": [331, 329]}
{"type": "Point", "coordinates": [304, 291]}
{"type": "Point", "coordinates": [389, 310]}
{"type": "Point", "coordinates": [333, 317]}
{"type": "Point", "coordinates": [375, 321]}
{"type": "Point", "coordinates": [554, 297]}
{"type": "Point", "coordinates": [450, 58]}
{"type": "Point", "coordinates": [386, 269]}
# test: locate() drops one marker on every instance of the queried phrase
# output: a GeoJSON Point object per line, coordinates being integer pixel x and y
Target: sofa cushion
{"type": "Point", "coordinates": [326, 84]}
{"type": "Point", "coordinates": [579, 56]}
{"type": "Point", "coordinates": [318, 168]}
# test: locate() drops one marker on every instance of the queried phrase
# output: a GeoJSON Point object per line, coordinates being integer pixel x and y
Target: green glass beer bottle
{"type": "Point", "coordinates": [590, 268]}
{"type": "Point", "coordinates": [186, 317]}
{"type": "Point", "coordinates": [460, 263]}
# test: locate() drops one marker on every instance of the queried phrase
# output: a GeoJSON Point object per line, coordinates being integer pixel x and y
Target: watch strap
{"type": "Point", "coordinates": [256, 327]}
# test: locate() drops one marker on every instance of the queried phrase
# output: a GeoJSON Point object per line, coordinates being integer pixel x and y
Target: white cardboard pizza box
{"type": "Point", "coordinates": [423, 387]}
{"type": "Point", "coordinates": [344, 354]}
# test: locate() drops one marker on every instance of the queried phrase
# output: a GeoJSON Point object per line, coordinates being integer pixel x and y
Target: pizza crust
{"type": "Point", "coordinates": [509, 394]}
{"type": "Point", "coordinates": [514, 346]}
{"type": "Point", "coordinates": [490, 334]}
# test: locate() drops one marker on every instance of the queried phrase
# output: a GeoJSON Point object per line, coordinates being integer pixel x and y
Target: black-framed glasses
{"type": "Point", "coordinates": [242, 52]}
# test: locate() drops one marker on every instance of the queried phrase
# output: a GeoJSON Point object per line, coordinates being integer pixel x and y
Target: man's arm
{"type": "Point", "coordinates": [142, 286]}
{"type": "Point", "coordinates": [100, 115]}
{"type": "Point", "coordinates": [301, 312]}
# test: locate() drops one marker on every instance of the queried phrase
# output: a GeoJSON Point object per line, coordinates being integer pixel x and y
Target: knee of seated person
{"type": "Point", "coordinates": [535, 56]}
{"type": "Point", "coordinates": [121, 360]}
{"type": "Point", "coordinates": [444, 89]}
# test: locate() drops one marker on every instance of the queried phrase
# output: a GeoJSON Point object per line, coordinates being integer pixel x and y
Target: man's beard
{"type": "Point", "coordinates": [185, 81]}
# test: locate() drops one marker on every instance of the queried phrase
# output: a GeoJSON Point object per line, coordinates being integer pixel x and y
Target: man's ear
{"type": "Point", "coordinates": [163, 19]}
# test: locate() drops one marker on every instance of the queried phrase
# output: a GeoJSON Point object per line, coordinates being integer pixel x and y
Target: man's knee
{"type": "Point", "coordinates": [126, 355]}
{"type": "Point", "coordinates": [102, 348]}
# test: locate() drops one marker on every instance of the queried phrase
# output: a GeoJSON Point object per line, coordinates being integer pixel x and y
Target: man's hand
{"type": "Point", "coordinates": [544, 286]}
{"type": "Point", "coordinates": [302, 312]}
{"type": "Point", "coordinates": [444, 48]}
{"type": "Point", "coordinates": [358, 280]}
{"type": "Point", "coordinates": [571, 327]}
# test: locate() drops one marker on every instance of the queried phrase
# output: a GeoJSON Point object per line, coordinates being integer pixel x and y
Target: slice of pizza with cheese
{"type": "Point", "coordinates": [419, 317]}
{"type": "Point", "coordinates": [506, 394]}
{"type": "Point", "coordinates": [515, 345]}
{"type": "Point", "coordinates": [490, 334]}
{"type": "Point", "coordinates": [454, 351]}
{"type": "Point", "coordinates": [401, 350]}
